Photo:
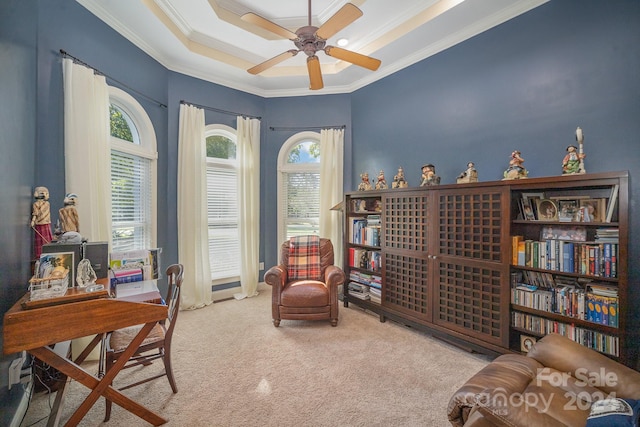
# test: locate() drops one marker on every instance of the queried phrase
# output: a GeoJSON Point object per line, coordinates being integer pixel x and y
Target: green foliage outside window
{"type": "Point", "coordinates": [220, 147]}
{"type": "Point", "coordinates": [305, 152]}
{"type": "Point", "coordinates": [119, 126]}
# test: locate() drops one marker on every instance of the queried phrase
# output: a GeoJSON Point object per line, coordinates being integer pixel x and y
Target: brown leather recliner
{"type": "Point", "coordinates": [553, 385]}
{"type": "Point", "coordinates": [305, 299]}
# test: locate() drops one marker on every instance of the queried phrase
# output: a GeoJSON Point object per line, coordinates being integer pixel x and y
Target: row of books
{"type": "Point", "coordinates": [365, 292]}
{"type": "Point", "coordinates": [595, 259]}
{"type": "Point", "coordinates": [364, 258]}
{"type": "Point", "coordinates": [569, 301]}
{"type": "Point", "coordinates": [365, 231]}
{"type": "Point", "coordinates": [372, 280]}
{"type": "Point", "coordinates": [603, 343]}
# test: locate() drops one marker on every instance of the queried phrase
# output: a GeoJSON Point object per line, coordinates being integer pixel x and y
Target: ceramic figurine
{"type": "Point", "coordinates": [41, 220]}
{"type": "Point", "coordinates": [398, 180]}
{"type": "Point", "coordinates": [429, 176]}
{"type": "Point", "coordinates": [365, 185]}
{"type": "Point", "coordinates": [468, 175]}
{"type": "Point", "coordinates": [69, 220]}
{"type": "Point", "coordinates": [573, 162]}
{"type": "Point", "coordinates": [515, 169]}
{"type": "Point", "coordinates": [381, 183]}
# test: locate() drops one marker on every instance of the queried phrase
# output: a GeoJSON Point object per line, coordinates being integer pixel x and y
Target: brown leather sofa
{"type": "Point", "coordinates": [553, 385]}
{"type": "Point", "coordinates": [305, 299]}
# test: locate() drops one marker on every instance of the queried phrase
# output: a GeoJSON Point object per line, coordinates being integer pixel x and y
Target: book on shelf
{"type": "Point", "coordinates": [613, 199]}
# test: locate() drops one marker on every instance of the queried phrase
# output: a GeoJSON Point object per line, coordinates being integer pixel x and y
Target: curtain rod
{"type": "Point", "coordinates": [307, 128]}
{"type": "Point", "coordinates": [78, 61]}
{"type": "Point", "coordinates": [217, 110]}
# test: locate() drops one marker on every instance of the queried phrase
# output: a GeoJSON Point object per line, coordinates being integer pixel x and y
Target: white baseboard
{"type": "Point", "coordinates": [226, 294]}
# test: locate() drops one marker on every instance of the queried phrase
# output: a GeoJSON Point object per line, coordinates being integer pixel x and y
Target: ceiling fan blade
{"type": "Point", "coordinates": [353, 57]}
{"type": "Point", "coordinates": [345, 16]}
{"type": "Point", "coordinates": [261, 22]}
{"type": "Point", "coordinates": [273, 61]}
{"type": "Point", "coordinates": [315, 74]}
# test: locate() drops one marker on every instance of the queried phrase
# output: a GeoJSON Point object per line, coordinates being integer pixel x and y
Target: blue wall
{"type": "Point", "coordinates": [526, 84]}
{"type": "Point", "coordinates": [17, 166]}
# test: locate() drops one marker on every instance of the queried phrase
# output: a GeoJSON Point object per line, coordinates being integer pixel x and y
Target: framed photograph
{"type": "Point", "coordinates": [526, 342]}
{"type": "Point", "coordinates": [573, 233]}
{"type": "Point", "coordinates": [49, 262]}
{"type": "Point", "coordinates": [593, 210]}
{"type": "Point", "coordinates": [547, 210]}
{"type": "Point", "coordinates": [527, 211]}
{"type": "Point", "coordinates": [531, 199]}
{"type": "Point", "coordinates": [568, 210]}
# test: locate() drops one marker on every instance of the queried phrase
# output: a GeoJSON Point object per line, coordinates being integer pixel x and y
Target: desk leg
{"type": "Point", "coordinates": [101, 387]}
{"type": "Point", "coordinates": [54, 418]}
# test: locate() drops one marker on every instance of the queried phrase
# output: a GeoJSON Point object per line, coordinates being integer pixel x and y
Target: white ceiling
{"type": "Point", "coordinates": [206, 38]}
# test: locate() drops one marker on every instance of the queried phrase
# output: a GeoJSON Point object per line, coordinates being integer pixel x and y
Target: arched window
{"type": "Point", "coordinates": [222, 203]}
{"type": "Point", "coordinates": [133, 174]}
{"type": "Point", "coordinates": [299, 186]}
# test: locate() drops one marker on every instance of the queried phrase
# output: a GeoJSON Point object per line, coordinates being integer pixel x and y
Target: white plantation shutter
{"type": "Point", "coordinates": [302, 207]}
{"type": "Point", "coordinates": [131, 201]}
{"type": "Point", "coordinates": [222, 207]}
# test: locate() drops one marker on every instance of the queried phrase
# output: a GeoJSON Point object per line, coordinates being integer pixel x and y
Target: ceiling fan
{"type": "Point", "coordinates": [310, 39]}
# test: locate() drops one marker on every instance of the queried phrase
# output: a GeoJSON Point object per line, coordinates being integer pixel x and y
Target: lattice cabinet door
{"type": "Point", "coordinates": [406, 270]}
{"type": "Point", "coordinates": [471, 275]}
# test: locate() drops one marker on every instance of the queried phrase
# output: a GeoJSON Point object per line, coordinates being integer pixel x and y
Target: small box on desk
{"type": "Point", "coordinates": [143, 291]}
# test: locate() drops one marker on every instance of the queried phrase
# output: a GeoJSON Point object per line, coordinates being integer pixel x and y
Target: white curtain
{"type": "Point", "coordinates": [248, 152]}
{"type": "Point", "coordinates": [331, 174]}
{"type": "Point", "coordinates": [87, 149]}
{"type": "Point", "coordinates": [193, 241]}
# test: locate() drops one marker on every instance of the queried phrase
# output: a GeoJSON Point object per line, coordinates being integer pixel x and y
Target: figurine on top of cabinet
{"type": "Point", "coordinates": [468, 175]}
{"type": "Point", "coordinates": [571, 162]}
{"type": "Point", "coordinates": [69, 220]}
{"type": "Point", "coordinates": [515, 169]}
{"type": "Point", "coordinates": [398, 180]}
{"type": "Point", "coordinates": [365, 185]}
{"type": "Point", "coordinates": [41, 220]}
{"type": "Point", "coordinates": [429, 176]}
{"type": "Point", "coordinates": [381, 183]}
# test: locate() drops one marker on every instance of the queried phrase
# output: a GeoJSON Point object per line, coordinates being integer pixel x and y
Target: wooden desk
{"type": "Point", "coordinates": [34, 330]}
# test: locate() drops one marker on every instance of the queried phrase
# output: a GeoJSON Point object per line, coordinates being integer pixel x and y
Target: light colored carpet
{"type": "Point", "coordinates": [234, 368]}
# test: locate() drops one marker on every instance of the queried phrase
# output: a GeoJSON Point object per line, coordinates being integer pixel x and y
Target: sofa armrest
{"type": "Point", "coordinates": [562, 354]}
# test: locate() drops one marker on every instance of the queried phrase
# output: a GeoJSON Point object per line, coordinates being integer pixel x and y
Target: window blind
{"type": "Point", "coordinates": [131, 201]}
{"type": "Point", "coordinates": [222, 213]}
{"type": "Point", "coordinates": [302, 210]}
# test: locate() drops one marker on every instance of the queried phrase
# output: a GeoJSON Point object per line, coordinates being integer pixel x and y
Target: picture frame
{"type": "Point", "coordinates": [531, 198]}
{"type": "Point", "coordinates": [547, 210]}
{"type": "Point", "coordinates": [570, 233]}
{"type": "Point", "coordinates": [526, 342]}
{"type": "Point", "coordinates": [568, 210]}
{"type": "Point", "coordinates": [593, 210]}
{"type": "Point", "coordinates": [48, 261]}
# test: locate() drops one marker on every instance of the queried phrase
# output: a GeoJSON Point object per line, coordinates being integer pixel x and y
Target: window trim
{"type": "Point", "coordinates": [232, 134]}
{"type": "Point", "coordinates": [284, 167]}
{"type": "Point", "coordinates": [147, 148]}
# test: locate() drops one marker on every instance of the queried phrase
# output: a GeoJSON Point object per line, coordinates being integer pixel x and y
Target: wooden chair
{"type": "Point", "coordinates": [157, 345]}
{"type": "Point", "coordinates": [305, 299]}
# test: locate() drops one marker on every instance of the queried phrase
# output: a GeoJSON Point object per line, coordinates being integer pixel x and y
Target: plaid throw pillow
{"type": "Point", "coordinates": [304, 258]}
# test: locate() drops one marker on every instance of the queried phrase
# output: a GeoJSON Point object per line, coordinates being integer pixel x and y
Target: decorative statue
{"type": "Point", "coordinates": [573, 162]}
{"type": "Point", "coordinates": [365, 185]}
{"type": "Point", "coordinates": [41, 220]}
{"type": "Point", "coordinates": [69, 220]}
{"type": "Point", "coordinates": [86, 275]}
{"type": "Point", "coordinates": [515, 169]}
{"type": "Point", "coordinates": [429, 176]}
{"type": "Point", "coordinates": [398, 180]}
{"type": "Point", "coordinates": [468, 175]}
{"type": "Point", "coordinates": [381, 183]}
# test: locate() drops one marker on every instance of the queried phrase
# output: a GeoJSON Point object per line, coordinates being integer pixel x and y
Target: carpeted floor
{"type": "Point", "coordinates": [234, 368]}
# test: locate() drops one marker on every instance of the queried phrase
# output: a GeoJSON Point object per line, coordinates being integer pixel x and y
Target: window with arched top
{"type": "Point", "coordinates": [133, 174]}
{"type": "Point", "coordinates": [222, 203]}
{"type": "Point", "coordinates": [299, 186]}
